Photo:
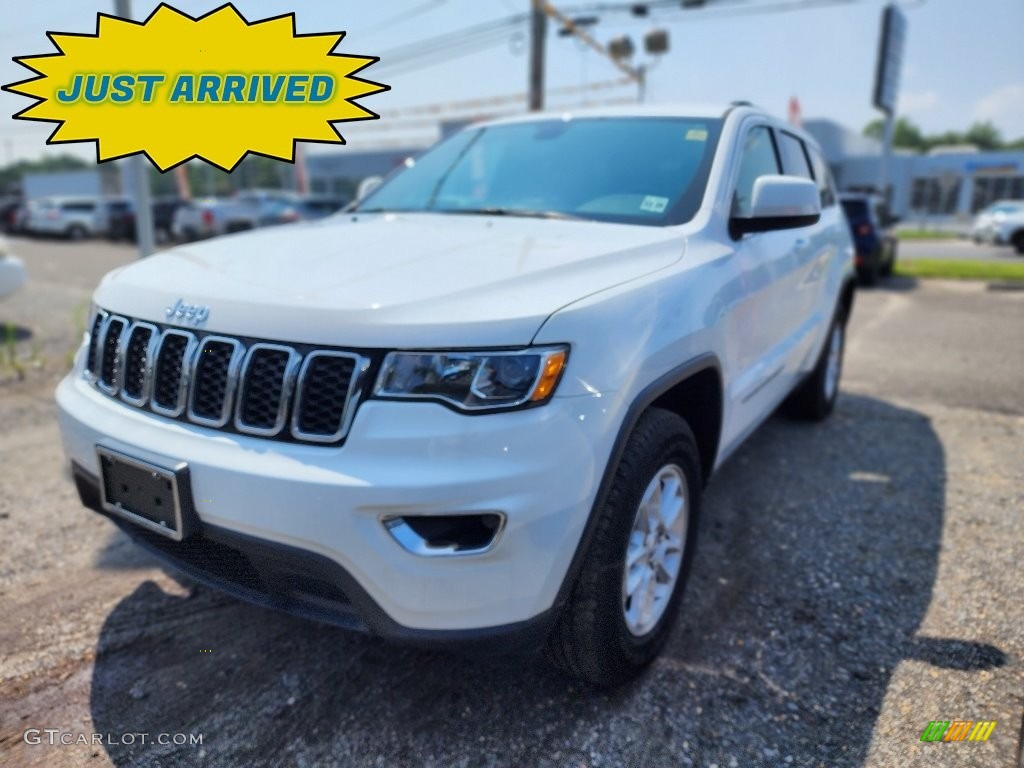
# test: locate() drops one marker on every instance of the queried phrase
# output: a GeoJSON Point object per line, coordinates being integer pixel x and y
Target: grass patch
{"type": "Point", "coordinates": [954, 269]}
{"type": "Point", "coordinates": [925, 234]}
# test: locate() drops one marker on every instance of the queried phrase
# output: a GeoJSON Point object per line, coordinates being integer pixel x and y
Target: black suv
{"type": "Point", "coordinates": [871, 227]}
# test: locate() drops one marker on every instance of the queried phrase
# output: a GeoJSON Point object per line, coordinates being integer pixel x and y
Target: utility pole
{"type": "Point", "coordinates": [538, 35]}
{"type": "Point", "coordinates": [570, 27]}
{"type": "Point", "coordinates": [140, 174]}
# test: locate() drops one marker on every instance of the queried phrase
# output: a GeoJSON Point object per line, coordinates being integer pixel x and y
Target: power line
{"type": "Point", "coordinates": [463, 42]}
{"type": "Point", "coordinates": [398, 18]}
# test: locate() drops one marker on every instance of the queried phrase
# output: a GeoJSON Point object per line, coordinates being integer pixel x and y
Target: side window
{"type": "Point", "coordinates": [823, 176]}
{"type": "Point", "coordinates": [757, 158]}
{"type": "Point", "coordinates": [794, 158]}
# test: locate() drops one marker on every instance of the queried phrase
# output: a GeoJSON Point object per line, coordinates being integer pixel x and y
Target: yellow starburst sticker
{"type": "Point", "coordinates": [176, 87]}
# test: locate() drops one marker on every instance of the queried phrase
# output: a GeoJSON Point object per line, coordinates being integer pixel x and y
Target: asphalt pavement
{"type": "Point", "coordinates": [854, 581]}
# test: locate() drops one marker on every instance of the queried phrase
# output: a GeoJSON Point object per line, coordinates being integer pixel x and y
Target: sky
{"type": "Point", "coordinates": [963, 61]}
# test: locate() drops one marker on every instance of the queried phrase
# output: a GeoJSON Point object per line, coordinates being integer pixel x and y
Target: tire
{"type": "Point", "coordinates": [815, 398]}
{"type": "Point", "coordinates": [890, 264]}
{"type": "Point", "coordinates": [1018, 241]}
{"type": "Point", "coordinates": [867, 275]}
{"type": "Point", "coordinates": [603, 636]}
{"type": "Point", "coordinates": [76, 232]}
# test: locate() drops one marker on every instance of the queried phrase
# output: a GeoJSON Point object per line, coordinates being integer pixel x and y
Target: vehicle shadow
{"type": "Point", "coordinates": [818, 556]}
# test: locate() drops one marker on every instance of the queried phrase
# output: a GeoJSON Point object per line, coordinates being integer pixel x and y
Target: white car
{"type": "Point", "coordinates": [482, 406]}
{"type": "Point", "coordinates": [12, 271]}
{"type": "Point", "coordinates": [1001, 223]}
{"type": "Point", "coordinates": [72, 217]}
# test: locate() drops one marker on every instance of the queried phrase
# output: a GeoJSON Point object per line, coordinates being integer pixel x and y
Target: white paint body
{"type": "Point", "coordinates": [632, 302]}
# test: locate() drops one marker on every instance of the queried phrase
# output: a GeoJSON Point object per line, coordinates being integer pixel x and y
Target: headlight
{"type": "Point", "coordinates": [473, 381]}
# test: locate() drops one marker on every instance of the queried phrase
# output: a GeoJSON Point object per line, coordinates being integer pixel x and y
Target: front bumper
{"type": "Point", "coordinates": [325, 505]}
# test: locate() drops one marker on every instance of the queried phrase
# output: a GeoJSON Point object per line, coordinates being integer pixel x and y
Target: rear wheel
{"type": "Point", "coordinates": [1018, 241]}
{"type": "Point", "coordinates": [76, 232]}
{"type": "Point", "coordinates": [627, 595]}
{"type": "Point", "coordinates": [867, 273]}
{"type": "Point", "coordinates": [890, 263]}
{"type": "Point", "coordinates": [816, 397]}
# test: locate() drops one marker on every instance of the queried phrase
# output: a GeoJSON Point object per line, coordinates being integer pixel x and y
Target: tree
{"type": "Point", "coordinates": [905, 134]}
{"type": "Point", "coordinates": [984, 136]}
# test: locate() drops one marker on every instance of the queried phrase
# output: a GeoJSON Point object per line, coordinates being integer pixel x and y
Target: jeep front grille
{"type": "Point", "coordinates": [278, 391]}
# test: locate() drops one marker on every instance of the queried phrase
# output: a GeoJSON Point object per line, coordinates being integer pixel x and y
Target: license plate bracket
{"type": "Point", "coordinates": [152, 496]}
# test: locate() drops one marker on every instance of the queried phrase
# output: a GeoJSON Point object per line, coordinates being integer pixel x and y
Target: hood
{"type": "Point", "coordinates": [392, 280]}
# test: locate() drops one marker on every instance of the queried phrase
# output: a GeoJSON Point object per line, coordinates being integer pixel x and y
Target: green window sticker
{"type": "Point", "coordinates": [654, 204]}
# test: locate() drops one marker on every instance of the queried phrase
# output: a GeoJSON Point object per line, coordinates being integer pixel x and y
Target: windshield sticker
{"type": "Point", "coordinates": [654, 204]}
{"type": "Point", "coordinates": [697, 134]}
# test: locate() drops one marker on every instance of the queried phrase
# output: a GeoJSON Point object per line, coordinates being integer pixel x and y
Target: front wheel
{"type": "Point", "coordinates": [627, 594]}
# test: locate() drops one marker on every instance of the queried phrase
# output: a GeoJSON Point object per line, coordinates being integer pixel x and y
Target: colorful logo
{"type": "Point", "coordinates": [176, 87]}
{"type": "Point", "coordinates": [958, 730]}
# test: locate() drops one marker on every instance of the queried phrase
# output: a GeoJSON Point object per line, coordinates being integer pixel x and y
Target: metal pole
{"type": "Point", "coordinates": [538, 33]}
{"type": "Point", "coordinates": [140, 175]}
{"type": "Point", "coordinates": [884, 173]}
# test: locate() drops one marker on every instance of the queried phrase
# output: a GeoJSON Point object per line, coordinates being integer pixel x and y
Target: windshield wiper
{"type": "Point", "coordinates": [525, 213]}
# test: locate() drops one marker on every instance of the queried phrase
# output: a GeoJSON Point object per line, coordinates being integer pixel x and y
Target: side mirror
{"type": "Point", "coordinates": [779, 202]}
{"type": "Point", "coordinates": [367, 185]}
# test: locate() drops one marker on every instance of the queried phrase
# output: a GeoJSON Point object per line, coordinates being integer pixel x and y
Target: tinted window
{"type": "Point", "coordinates": [78, 206]}
{"type": "Point", "coordinates": [856, 210]}
{"type": "Point", "coordinates": [823, 177]}
{"type": "Point", "coordinates": [757, 159]}
{"type": "Point", "coordinates": [629, 170]}
{"type": "Point", "coordinates": [794, 159]}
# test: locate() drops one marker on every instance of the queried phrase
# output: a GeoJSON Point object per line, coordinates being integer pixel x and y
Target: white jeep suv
{"type": "Point", "coordinates": [482, 406]}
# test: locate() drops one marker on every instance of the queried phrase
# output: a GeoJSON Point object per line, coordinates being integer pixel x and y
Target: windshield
{"type": "Point", "coordinates": [634, 170]}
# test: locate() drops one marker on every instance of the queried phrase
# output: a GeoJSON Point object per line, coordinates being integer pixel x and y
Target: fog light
{"type": "Point", "coordinates": [438, 535]}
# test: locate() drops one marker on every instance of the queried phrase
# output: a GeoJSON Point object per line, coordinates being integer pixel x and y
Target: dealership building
{"type": "Point", "coordinates": [942, 189]}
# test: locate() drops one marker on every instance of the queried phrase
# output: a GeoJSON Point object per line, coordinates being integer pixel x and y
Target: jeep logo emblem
{"type": "Point", "coordinates": [192, 314]}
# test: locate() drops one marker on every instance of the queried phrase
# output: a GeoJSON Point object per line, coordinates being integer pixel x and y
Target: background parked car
{"type": "Point", "coordinates": [212, 216]}
{"type": "Point", "coordinates": [72, 217]}
{"type": "Point", "coordinates": [12, 271]}
{"type": "Point", "coordinates": [302, 209]}
{"type": "Point", "coordinates": [255, 208]}
{"type": "Point", "coordinates": [18, 224]}
{"type": "Point", "coordinates": [986, 223]}
{"type": "Point", "coordinates": [109, 210]}
{"type": "Point", "coordinates": [8, 213]}
{"type": "Point", "coordinates": [871, 227]}
{"type": "Point", "coordinates": [122, 226]}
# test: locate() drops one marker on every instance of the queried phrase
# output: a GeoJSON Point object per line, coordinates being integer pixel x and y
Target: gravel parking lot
{"type": "Point", "coordinates": [854, 581]}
